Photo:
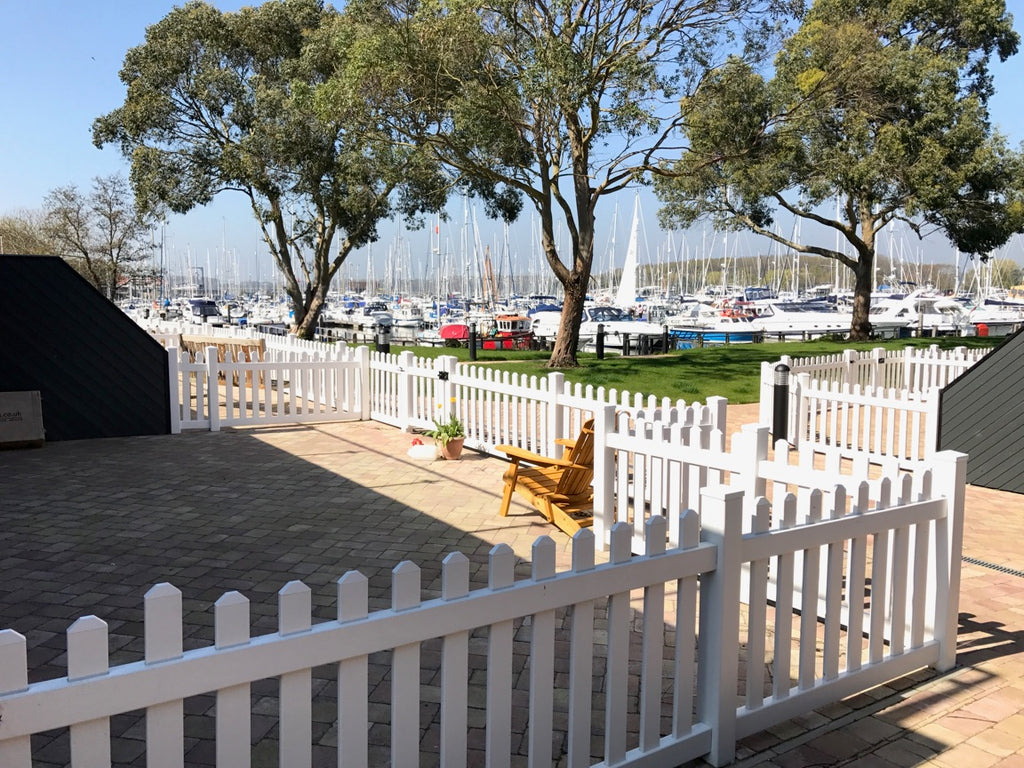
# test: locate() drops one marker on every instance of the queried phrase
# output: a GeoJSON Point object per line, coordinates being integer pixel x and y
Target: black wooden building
{"type": "Point", "coordinates": [98, 372]}
{"type": "Point", "coordinates": [981, 413]}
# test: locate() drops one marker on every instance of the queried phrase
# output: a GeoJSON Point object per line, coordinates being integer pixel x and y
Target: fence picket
{"type": "Point", "coordinates": [454, 668]}
{"type": "Point", "coordinates": [164, 722]}
{"type": "Point", "coordinates": [542, 661]}
{"type": "Point", "coordinates": [617, 672]}
{"type": "Point", "coordinates": [810, 579]}
{"type": "Point", "coordinates": [581, 658]}
{"type": "Point", "coordinates": [501, 575]}
{"type": "Point", "coordinates": [405, 672]}
{"type": "Point", "coordinates": [757, 611]}
{"type": "Point", "coordinates": [296, 724]}
{"type": "Point", "coordinates": [87, 656]}
{"type": "Point", "coordinates": [652, 641]}
{"type": "Point", "coordinates": [14, 752]}
{"type": "Point", "coordinates": [231, 628]}
{"type": "Point", "coordinates": [353, 678]}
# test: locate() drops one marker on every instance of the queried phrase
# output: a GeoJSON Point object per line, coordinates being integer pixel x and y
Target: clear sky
{"type": "Point", "coordinates": [59, 63]}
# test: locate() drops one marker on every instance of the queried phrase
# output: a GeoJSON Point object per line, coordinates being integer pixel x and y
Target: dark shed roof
{"type": "Point", "coordinates": [981, 413]}
{"type": "Point", "coordinates": [99, 373]}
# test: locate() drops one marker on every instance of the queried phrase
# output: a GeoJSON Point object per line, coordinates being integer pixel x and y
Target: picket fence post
{"type": "Point", "coordinates": [750, 447]}
{"type": "Point", "coordinates": [949, 481]}
{"type": "Point", "coordinates": [766, 403]}
{"type": "Point", "coordinates": [88, 655]}
{"type": "Point", "coordinates": [406, 360]}
{"type": "Point", "coordinates": [799, 413]}
{"type": "Point", "coordinates": [364, 401]}
{"type": "Point", "coordinates": [931, 420]}
{"type": "Point", "coordinates": [718, 648]}
{"type": "Point", "coordinates": [445, 392]}
{"type": "Point", "coordinates": [234, 731]}
{"type": "Point", "coordinates": [555, 420]}
{"type": "Point", "coordinates": [174, 389]}
{"type": "Point", "coordinates": [213, 388]}
{"type": "Point", "coordinates": [15, 753]}
{"type": "Point", "coordinates": [717, 407]}
{"type": "Point", "coordinates": [165, 737]}
{"type": "Point", "coordinates": [604, 475]}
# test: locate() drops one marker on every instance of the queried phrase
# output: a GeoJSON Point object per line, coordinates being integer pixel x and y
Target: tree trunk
{"type": "Point", "coordinates": [860, 326]}
{"type": "Point", "coordinates": [306, 327]}
{"type": "Point", "coordinates": [567, 342]}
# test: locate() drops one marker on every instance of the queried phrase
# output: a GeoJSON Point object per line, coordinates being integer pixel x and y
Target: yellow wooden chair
{"type": "Point", "coordinates": [560, 489]}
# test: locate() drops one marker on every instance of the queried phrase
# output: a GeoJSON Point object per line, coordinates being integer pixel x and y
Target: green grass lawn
{"type": "Point", "coordinates": [693, 374]}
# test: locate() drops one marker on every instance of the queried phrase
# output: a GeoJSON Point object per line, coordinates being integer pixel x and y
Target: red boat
{"type": "Point", "coordinates": [509, 332]}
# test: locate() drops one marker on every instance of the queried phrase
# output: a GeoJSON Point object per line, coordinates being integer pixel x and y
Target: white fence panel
{"type": "Point", "coordinates": [93, 693]}
{"type": "Point", "coordinates": [889, 422]}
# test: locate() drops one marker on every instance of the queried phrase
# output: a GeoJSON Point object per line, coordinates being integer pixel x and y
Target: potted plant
{"type": "Point", "coordinates": [448, 435]}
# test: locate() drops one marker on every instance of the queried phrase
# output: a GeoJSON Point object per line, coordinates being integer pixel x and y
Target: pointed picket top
{"type": "Point", "coordinates": [762, 518]}
{"type": "Point", "coordinates": [353, 591]}
{"type": "Point", "coordinates": [502, 565]}
{"type": "Point", "coordinates": [231, 620]}
{"type": "Point", "coordinates": [884, 494]}
{"type": "Point", "coordinates": [294, 608]}
{"type": "Point", "coordinates": [88, 648]}
{"type": "Point", "coordinates": [162, 611]}
{"type": "Point", "coordinates": [543, 554]}
{"type": "Point", "coordinates": [454, 576]}
{"type": "Point", "coordinates": [13, 661]}
{"type": "Point", "coordinates": [655, 533]}
{"type": "Point", "coordinates": [689, 529]}
{"type": "Point", "coordinates": [583, 543]}
{"type": "Point", "coordinates": [838, 502]}
{"type": "Point", "coordinates": [906, 492]}
{"type": "Point", "coordinates": [862, 500]}
{"type": "Point", "coordinates": [621, 543]}
{"type": "Point", "coordinates": [812, 506]}
{"type": "Point", "coordinates": [405, 586]}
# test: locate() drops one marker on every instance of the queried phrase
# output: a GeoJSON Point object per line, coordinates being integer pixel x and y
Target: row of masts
{"type": "Point", "coordinates": [459, 262]}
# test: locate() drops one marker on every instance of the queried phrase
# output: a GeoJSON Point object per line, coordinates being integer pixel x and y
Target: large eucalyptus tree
{"type": "Point", "coordinates": [877, 112]}
{"type": "Point", "coordinates": [223, 101]}
{"type": "Point", "coordinates": [558, 102]}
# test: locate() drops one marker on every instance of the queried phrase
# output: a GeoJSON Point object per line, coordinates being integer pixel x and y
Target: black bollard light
{"type": "Point", "coordinates": [382, 342]}
{"type": "Point", "coordinates": [664, 338]}
{"type": "Point", "coordinates": [625, 345]}
{"type": "Point", "coordinates": [472, 341]}
{"type": "Point", "coordinates": [599, 342]}
{"type": "Point", "coordinates": [780, 403]}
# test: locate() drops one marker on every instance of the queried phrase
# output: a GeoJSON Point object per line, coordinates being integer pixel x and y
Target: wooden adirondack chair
{"type": "Point", "coordinates": [560, 489]}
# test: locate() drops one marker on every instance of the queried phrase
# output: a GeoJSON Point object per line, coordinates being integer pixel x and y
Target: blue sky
{"type": "Point", "coordinates": [59, 63]}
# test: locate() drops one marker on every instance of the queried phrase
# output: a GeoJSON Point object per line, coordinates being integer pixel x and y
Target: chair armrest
{"type": "Point", "coordinates": [521, 454]}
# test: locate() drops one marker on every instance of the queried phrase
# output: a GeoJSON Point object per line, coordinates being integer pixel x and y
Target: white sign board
{"type": "Point", "coordinates": [21, 419]}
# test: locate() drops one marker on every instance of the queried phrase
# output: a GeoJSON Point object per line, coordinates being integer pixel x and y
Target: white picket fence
{"type": "Point", "coordinates": [647, 467]}
{"type": "Point", "coordinates": [499, 407]}
{"type": "Point", "coordinates": [307, 381]}
{"type": "Point", "coordinates": [877, 400]}
{"type": "Point", "coordinates": [882, 563]}
{"type": "Point", "coordinates": [209, 392]}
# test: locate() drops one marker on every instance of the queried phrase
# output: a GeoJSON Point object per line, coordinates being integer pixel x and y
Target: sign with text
{"type": "Point", "coordinates": [21, 419]}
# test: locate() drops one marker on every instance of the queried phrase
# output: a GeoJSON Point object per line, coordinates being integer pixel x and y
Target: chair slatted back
{"type": "Point", "coordinates": [576, 482]}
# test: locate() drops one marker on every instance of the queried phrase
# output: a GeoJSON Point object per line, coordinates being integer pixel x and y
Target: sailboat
{"type": "Point", "coordinates": [625, 295]}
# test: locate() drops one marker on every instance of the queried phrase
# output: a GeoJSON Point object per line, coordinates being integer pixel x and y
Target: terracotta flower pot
{"type": "Point", "coordinates": [453, 450]}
